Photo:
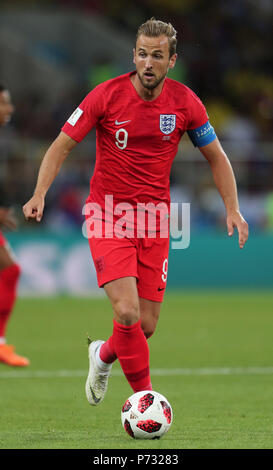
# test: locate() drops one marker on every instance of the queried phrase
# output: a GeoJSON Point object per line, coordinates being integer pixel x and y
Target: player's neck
{"type": "Point", "coordinates": [145, 93]}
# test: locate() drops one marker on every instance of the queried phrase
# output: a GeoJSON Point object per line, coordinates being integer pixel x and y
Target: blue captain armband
{"type": "Point", "coordinates": [202, 135]}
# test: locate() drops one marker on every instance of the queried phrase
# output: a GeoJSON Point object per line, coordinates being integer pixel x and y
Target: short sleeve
{"type": "Point", "coordinates": [86, 115]}
{"type": "Point", "coordinates": [197, 112]}
{"type": "Point", "coordinates": [199, 129]}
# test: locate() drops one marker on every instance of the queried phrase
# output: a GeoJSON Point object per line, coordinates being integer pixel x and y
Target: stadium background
{"type": "Point", "coordinates": [211, 355]}
{"type": "Point", "coordinates": [54, 53]}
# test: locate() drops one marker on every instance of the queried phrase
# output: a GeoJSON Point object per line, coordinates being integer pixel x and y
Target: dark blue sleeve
{"type": "Point", "coordinates": [202, 135]}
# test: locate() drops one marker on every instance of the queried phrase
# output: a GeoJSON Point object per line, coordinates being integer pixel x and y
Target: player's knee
{"type": "Point", "coordinates": [148, 333]}
{"type": "Point", "coordinates": [148, 328]}
{"type": "Point", "coordinates": [126, 312]}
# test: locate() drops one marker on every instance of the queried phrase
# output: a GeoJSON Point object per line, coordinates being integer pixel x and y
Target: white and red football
{"type": "Point", "coordinates": [146, 415]}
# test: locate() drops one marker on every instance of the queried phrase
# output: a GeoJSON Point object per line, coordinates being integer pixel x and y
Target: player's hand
{"type": "Point", "coordinates": [235, 219]}
{"type": "Point", "coordinates": [7, 219]}
{"type": "Point", "coordinates": [34, 208]}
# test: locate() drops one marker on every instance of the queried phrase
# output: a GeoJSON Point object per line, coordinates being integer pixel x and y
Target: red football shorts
{"type": "Point", "coordinates": [3, 241]}
{"type": "Point", "coordinates": [146, 259]}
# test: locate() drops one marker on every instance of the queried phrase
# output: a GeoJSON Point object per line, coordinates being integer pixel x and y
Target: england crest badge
{"type": "Point", "coordinates": [167, 123]}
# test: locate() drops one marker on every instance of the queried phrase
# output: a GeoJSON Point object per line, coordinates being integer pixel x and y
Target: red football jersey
{"type": "Point", "coordinates": [137, 140]}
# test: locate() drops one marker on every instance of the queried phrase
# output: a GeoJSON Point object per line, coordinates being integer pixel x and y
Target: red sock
{"type": "Point", "coordinates": [107, 351]}
{"type": "Point", "coordinates": [132, 350]}
{"type": "Point", "coordinates": [8, 285]}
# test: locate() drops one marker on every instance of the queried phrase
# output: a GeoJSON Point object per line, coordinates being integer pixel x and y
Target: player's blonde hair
{"type": "Point", "coordinates": [154, 28]}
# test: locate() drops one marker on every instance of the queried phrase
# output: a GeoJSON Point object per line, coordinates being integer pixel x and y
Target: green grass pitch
{"type": "Point", "coordinates": [211, 356]}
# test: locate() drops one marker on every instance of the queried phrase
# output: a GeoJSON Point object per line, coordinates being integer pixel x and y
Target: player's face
{"type": "Point", "coordinates": [152, 59]}
{"type": "Point", "coordinates": [6, 107]}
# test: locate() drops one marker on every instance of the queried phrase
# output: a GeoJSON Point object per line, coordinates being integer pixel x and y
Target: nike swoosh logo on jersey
{"type": "Point", "coordinates": [121, 122]}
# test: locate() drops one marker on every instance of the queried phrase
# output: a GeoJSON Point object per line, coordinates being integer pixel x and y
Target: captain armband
{"type": "Point", "coordinates": [202, 135]}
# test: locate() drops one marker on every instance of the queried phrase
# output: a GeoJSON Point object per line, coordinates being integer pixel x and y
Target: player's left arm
{"type": "Point", "coordinates": [226, 184]}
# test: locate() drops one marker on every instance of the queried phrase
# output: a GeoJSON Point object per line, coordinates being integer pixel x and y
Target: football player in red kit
{"type": "Point", "coordinates": [140, 118]}
{"type": "Point", "coordinates": [9, 268]}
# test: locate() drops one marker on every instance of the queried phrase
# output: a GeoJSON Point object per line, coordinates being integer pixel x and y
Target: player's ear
{"type": "Point", "coordinates": [172, 61]}
{"type": "Point", "coordinates": [134, 56]}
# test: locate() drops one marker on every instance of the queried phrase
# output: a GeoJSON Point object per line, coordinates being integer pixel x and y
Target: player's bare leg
{"type": "Point", "coordinates": [149, 314]}
{"type": "Point", "coordinates": [128, 342]}
{"type": "Point", "coordinates": [9, 275]}
{"type": "Point", "coordinates": [123, 296]}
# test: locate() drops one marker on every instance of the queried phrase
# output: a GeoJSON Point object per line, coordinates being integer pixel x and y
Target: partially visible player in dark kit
{"type": "Point", "coordinates": [9, 268]}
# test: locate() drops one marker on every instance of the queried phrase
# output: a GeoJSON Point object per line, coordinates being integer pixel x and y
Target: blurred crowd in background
{"type": "Point", "coordinates": [53, 55]}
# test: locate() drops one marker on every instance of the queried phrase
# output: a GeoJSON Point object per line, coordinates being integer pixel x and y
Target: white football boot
{"type": "Point", "coordinates": [97, 379]}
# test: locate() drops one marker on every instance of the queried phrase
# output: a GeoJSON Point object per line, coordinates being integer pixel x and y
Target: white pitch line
{"type": "Point", "coordinates": [48, 374]}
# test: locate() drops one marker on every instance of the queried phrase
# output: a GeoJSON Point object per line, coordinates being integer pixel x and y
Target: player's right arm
{"type": "Point", "coordinates": [50, 166]}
